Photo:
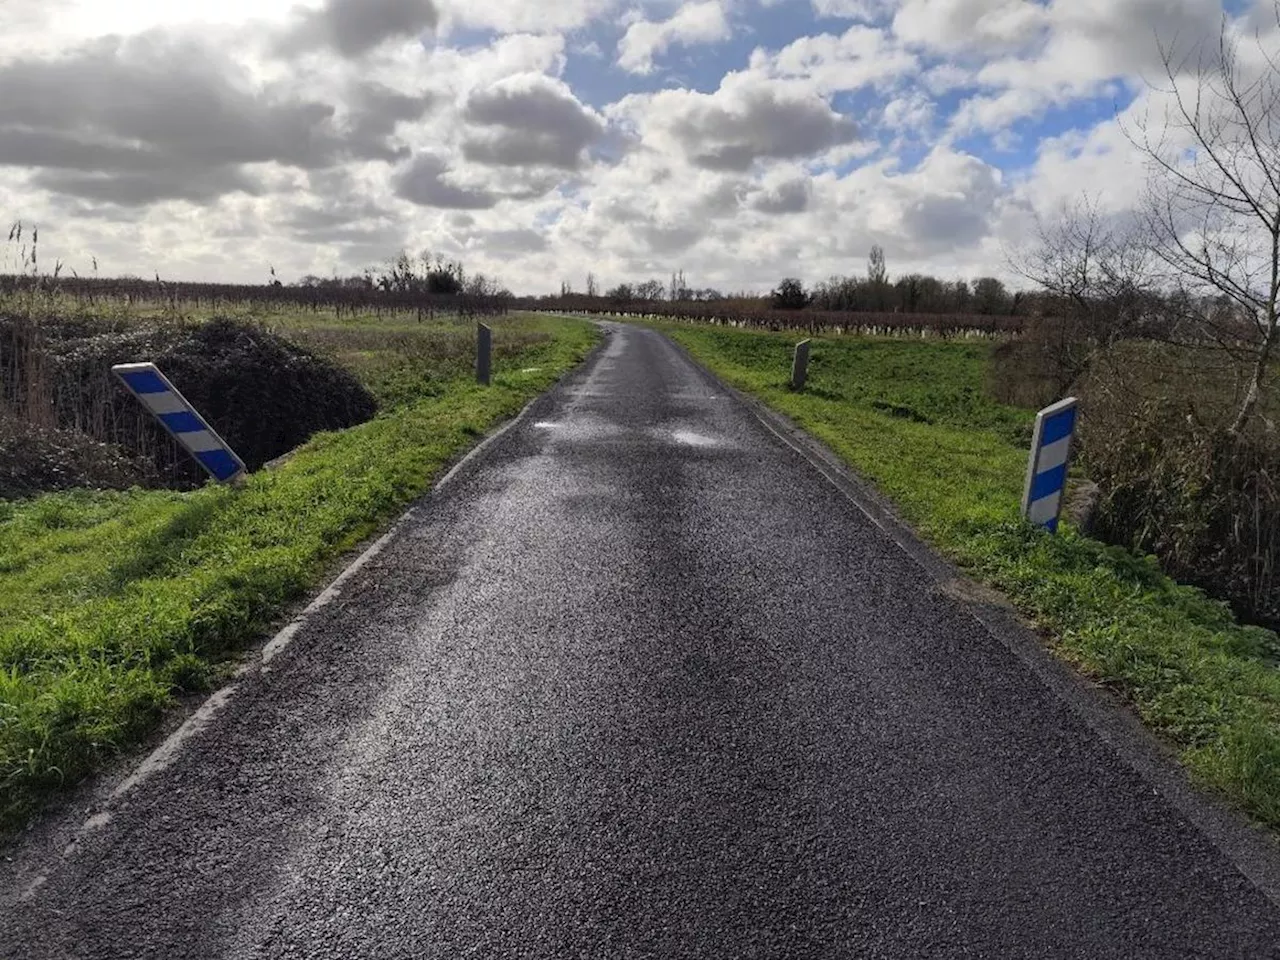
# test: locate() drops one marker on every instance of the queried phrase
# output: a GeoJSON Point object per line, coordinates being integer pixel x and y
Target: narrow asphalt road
{"type": "Point", "coordinates": [640, 682]}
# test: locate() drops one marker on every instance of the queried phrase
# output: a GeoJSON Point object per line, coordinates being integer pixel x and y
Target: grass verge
{"type": "Point", "coordinates": [113, 602]}
{"type": "Point", "coordinates": [912, 417]}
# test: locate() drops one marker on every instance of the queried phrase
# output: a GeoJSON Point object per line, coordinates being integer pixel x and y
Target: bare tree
{"type": "Point", "coordinates": [1213, 197]}
{"type": "Point", "coordinates": [593, 288]}
{"type": "Point", "coordinates": [679, 286]}
{"type": "Point", "coordinates": [1098, 289]}
{"type": "Point", "coordinates": [650, 290]}
{"type": "Point", "coordinates": [1097, 268]}
{"type": "Point", "coordinates": [878, 278]}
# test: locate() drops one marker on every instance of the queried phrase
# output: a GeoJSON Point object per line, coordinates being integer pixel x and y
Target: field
{"type": "Point", "coordinates": [758, 313]}
{"type": "Point", "coordinates": [115, 602]}
{"type": "Point", "coordinates": [912, 417]}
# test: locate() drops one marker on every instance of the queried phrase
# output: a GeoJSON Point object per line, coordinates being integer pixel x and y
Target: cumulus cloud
{"type": "Point", "coordinates": [354, 27]}
{"type": "Point", "coordinates": [948, 201]}
{"type": "Point", "coordinates": [509, 241]}
{"type": "Point", "coordinates": [703, 22]}
{"type": "Point", "coordinates": [789, 196]}
{"type": "Point", "coordinates": [425, 182]}
{"type": "Point", "coordinates": [860, 57]}
{"type": "Point", "coordinates": [324, 136]}
{"type": "Point", "coordinates": [912, 113]}
{"type": "Point", "coordinates": [334, 206]}
{"type": "Point", "coordinates": [464, 69]}
{"type": "Point", "coordinates": [524, 16]}
{"type": "Point", "coordinates": [160, 116]}
{"type": "Point", "coordinates": [131, 188]}
{"type": "Point", "coordinates": [865, 10]}
{"type": "Point", "coordinates": [1040, 56]}
{"type": "Point", "coordinates": [748, 119]}
{"type": "Point", "coordinates": [954, 25]}
{"type": "Point", "coordinates": [376, 111]}
{"type": "Point", "coordinates": [529, 120]}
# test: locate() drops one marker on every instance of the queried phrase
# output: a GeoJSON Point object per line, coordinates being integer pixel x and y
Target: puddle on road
{"type": "Point", "coordinates": [691, 439]}
{"type": "Point", "coordinates": [580, 428]}
{"type": "Point", "coordinates": [588, 429]}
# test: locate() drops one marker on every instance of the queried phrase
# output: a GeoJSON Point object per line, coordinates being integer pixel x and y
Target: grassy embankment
{"type": "Point", "coordinates": [913, 418]}
{"type": "Point", "coordinates": [113, 602]}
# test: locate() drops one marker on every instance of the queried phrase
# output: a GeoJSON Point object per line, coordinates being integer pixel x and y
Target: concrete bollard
{"type": "Point", "coordinates": [484, 354]}
{"type": "Point", "coordinates": [800, 366]}
{"type": "Point", "coordinates": [181, 419]}
{"type": "Point", "coordinates": [1047, 469]}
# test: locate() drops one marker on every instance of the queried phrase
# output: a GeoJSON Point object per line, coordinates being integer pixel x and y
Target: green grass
{"type": "Point", "coordinates": [114, 602]}
{"type": "Point", "coordinates": [401, 360]}
{"type": "Point", "coordinates": [911, 416]}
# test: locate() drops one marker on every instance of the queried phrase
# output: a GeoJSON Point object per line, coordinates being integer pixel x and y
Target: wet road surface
{"type": "Point", "coordinates": [640, 682]}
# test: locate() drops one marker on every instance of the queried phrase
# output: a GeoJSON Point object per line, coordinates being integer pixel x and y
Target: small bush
{"type": "Point", "coordinates": [1175, 482]}
{"type": "Point", "coordinates": [1205, 502]}
{"type": "Point", "coordinates": [1039, 367]}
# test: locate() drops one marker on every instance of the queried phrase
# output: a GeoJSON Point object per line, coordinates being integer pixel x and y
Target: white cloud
{"type": "Point", "coordinates": [750, 117]}
{"type": "Point", "coordinates": [868, 11]}
{"type": "Point", "coordinates": [335, 155]}
{"type": "Point", "coordinates": [782, 193]}
{"type": "Point", "coordinates": [693, 23]}
{"type": "Point", "coordinates": [913, 112]}
{"type": "Point", "coordinates": [522, 16]}
{"type": "Point", "coordinates": [353, 28]}
{"type": "Point", "coordinates": [529, 120]}
{"type": "Point", "coordinates": [958, 25]}
{"type": "Point", "coordinates": [861, 56]}
{"type": "Point", "coordinates": [1077, 49]}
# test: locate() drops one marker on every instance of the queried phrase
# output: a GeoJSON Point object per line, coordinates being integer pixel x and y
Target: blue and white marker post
{"type": "Point", "coordinates": [166, 404]}
{"type": "Point", "coordinates": [1050, 457]}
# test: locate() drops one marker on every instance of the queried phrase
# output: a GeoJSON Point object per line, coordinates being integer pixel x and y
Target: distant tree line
{"type": "Point", "coordinates": [427, 284]}
{"type": "Point", "coordinates": [912, 293]}
{"type": "Point", "coordinates": [427, 274]}
{"type": "Point", "coordinates": [874, 292]}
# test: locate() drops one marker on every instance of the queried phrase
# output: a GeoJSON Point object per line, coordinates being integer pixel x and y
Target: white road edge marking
{"type": "Point", "coordinates": [167, 752]}
{"type": "Point", "coordinates": [1115, 725]}
{"type": "Point", "coordinates": [829, 474]}
{"type": "Point", "coordinates": [163, 755]}
{"type": "Point", "coordinates": [281, 640]}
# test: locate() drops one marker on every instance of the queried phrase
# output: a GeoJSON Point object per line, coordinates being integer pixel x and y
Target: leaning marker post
{"type": "Point", "coordinates": [192, 431]}
{"type": "Point", "coordinates": [1047, 469]}
{"type": "Point", "coordinates": [484, 354]}
{"type": "Point", "coordinates": [800, 366]}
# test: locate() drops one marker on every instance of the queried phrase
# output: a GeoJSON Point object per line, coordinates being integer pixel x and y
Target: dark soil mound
{"type": "Point", "coordinates": [263, 394]}
{"type": "Point", "coordinates": [35, 460]}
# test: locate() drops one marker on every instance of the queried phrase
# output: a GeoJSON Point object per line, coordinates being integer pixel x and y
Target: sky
{"type": "Point", "coordinates": [741, 141]}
